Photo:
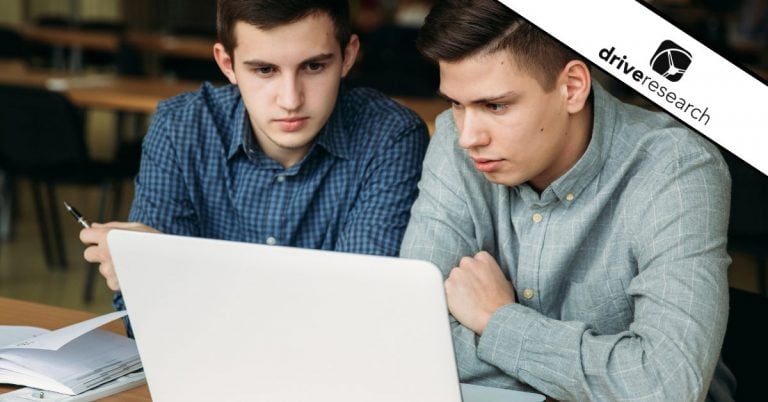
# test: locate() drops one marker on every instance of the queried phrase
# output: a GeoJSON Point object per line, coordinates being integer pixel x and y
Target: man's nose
{"type": "Point", "coordinates": [472, 133]}
{"type": "Point", "coordinates": [291, 94]}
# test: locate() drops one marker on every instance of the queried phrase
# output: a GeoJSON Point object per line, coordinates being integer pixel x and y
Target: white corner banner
{"type": "Point", "coordinates": [664, 64]}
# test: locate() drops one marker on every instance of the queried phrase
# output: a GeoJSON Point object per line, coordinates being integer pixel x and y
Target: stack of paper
{"type": "Point", "coordinates": [69, 360]}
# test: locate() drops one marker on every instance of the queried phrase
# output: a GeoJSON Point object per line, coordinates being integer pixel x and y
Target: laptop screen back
{"type": "Point", "coordinates": [217, 320]}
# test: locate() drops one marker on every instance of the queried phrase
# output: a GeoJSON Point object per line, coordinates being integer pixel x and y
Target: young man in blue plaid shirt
{"type": "Point", "coordinates": [286, 155]}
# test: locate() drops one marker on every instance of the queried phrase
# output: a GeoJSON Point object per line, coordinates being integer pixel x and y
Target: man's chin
{"type": "Point", "coordinates": [503, 179]}
{"type": "Point", "coordinates": [295, 143]}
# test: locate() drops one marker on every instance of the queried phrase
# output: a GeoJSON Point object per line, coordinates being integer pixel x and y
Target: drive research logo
{"type": "Point", "coordinates": [649, 86]}
{"type": "Point", "coordinates": [671, 60]}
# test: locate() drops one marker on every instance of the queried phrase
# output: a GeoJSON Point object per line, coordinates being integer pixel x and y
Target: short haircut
{"type": "Point", "coordinates": [268, 14]}
{"type": "Point", "coordinates": [457, 29]}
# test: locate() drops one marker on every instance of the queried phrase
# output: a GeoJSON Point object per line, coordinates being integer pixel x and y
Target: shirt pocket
{"type": "Point", "coordinates": [602, 304]}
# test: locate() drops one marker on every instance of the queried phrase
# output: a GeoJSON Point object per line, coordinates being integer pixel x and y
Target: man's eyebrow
{"type": "Point", "coordinates": [318, 58]}
{"type": "Point", "coordinates": [258, 63]}
{"type": "Point", "coordinates": [314, 59]}
{"type": "Point", "coordinates": [508, 96]}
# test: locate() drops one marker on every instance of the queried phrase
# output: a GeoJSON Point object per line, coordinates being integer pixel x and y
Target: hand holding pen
{"type": "Point", "coordinates": [95, 240]}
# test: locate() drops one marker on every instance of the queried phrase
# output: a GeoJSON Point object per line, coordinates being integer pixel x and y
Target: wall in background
{"type": "Point", "coordinates": [11, 12]}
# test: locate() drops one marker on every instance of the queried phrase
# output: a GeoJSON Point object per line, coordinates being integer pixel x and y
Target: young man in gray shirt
{"type": "Point", "coordinates": [583, 240]}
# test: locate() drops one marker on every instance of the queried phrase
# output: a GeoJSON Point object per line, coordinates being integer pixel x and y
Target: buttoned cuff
{"type": "Point", "coordinates": [502, 340]}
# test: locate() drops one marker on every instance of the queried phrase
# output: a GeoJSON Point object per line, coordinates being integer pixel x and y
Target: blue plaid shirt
{"type": "Point", "coordinates": [203, 174]}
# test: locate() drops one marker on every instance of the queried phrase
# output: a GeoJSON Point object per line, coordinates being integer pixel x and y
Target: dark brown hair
{"type": "Point", "coordinates": [457, 29]}
{"type": "Point", "coordinates": [268, 14]}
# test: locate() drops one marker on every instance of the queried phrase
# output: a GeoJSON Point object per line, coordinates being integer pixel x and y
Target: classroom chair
{"type": "Point", "coordinates": [43, 140]}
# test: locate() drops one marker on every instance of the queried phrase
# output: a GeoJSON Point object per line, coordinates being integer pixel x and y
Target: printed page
{"type": "Point", "coordinates": [87, 361]}
{"type": "Point", "coordinates": [12, 334]}
{"type": "Point", "coordinates": [54, 340]}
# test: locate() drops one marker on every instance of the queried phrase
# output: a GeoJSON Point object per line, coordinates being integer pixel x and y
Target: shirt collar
{"type": "Point", "coordinates": [240, 127]}
{"type": "Point", "coordinates": [333, 137]}
{"type": "Point", "coordinates": [573, 184]}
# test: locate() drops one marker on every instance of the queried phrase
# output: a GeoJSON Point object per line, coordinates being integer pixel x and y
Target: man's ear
{"type": "Point", "coordinates": [350, 54]}
{"type": "Point", "coordinates": [224, 60]}
{"type": "Point", "coordinates": [577, 81]}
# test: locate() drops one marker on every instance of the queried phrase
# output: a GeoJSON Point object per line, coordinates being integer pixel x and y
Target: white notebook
{"type": "Point", "coordinates": [69, 360]}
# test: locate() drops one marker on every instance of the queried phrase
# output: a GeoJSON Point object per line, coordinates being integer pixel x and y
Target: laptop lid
{"type": "Point", "coordinates": [219, 320]}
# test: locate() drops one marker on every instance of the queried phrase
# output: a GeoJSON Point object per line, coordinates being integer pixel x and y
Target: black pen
{"type": "Point", "coordinates": [84, 223]}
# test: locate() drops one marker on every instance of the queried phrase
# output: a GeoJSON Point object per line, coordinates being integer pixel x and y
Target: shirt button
{"type": "Point", "coordinates": [569, 197]}
{"type": "Point", "coordinates": [280, 179]}
{"type": "Point", "coordinates": [271, 241]}
{"type": "Point", "coordinates": [537, 217]}
{"type": "Point", "coordinates": [528, 293]}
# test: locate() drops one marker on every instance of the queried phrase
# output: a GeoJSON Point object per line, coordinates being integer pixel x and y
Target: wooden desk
{"type": "Point", "coordinates": [169, 45]}
{"type": "Point", "coordinates": [17, 312]}
{"type": "Point", "coordinates": [137, 95]}
{"type": "Point", "coordinates": [71, 37]}
{"type": "Point", "coordinates": [74, 39]}
{"type": "Point", "coordinates": [163, 44]}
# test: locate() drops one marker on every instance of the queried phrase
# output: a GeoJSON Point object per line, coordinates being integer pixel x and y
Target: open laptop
{"type": "Point", "coordinates": [217, 320]}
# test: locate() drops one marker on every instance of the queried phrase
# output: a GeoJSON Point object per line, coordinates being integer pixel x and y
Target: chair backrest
{"type": "Point", "coordinates": [11, 45]}
{"type": "Point", "coordinates": [41, 130]}
{"type": "Point", "coordinates": [745, 350]}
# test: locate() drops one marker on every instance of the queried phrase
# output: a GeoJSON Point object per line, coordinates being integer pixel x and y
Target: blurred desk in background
{"type": "Point", "coordinates": [170, 45]}
{"type": "Point", "coordinates": [71, 37]}
{"type": "Point", "coordinates": [68, 44]}
{"type": "Point", "coordinates": [147, 43]}
{"type": "Point", "coordinates": [98, 91]}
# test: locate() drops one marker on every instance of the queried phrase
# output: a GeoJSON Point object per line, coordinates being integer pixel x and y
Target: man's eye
{"type": "Point", "coordinates": [315, 66]}
{"type": "Point", "coordinates": [265, 70]}
{"type": "Point", "coordinates": [496, 107]}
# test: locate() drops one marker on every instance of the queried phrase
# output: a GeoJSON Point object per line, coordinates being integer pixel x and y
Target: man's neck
{"type": "Point", "coordinates": [579, 133]}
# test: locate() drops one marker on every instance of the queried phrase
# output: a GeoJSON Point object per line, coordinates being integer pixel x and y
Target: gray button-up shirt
{"type": "Point", "coordinates": [619, 265]}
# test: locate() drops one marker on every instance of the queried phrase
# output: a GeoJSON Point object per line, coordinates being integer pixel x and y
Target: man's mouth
{"type": "Point", "coordinates": [292, 123]}
{"type": "Point", "coordinates": [486, 165]}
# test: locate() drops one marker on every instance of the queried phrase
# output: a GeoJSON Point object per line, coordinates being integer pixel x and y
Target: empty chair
{"type": "Point", "coordinates": [11, 45]}
{"type": "Point", "coordinates": [43, 140]}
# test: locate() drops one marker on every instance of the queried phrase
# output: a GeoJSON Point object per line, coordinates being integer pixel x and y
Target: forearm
{"type": "Point", "coordinates": [474, 370]}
